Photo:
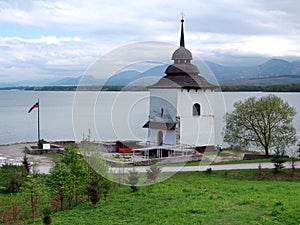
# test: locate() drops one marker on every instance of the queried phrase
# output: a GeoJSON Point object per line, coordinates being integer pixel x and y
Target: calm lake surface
{"type": "Point", "coordinates": [108, 115]}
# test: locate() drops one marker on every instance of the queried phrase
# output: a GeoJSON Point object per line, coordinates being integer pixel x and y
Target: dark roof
{"type": "Point", "coordinates": [160, 125]}
{"type": "Point", "coordinates": [182, 68]}
{"type": "Point", "coordinates": [182, 53]}
{"type": "Point", "coordinates": [183, 81]}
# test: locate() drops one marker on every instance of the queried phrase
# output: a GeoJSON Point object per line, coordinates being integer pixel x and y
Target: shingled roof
{"type": "Point", "coordinates": [183, 82]}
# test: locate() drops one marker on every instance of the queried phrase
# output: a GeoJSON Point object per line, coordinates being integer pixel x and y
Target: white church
{"type": "Point", "coordinates": [181, 113]}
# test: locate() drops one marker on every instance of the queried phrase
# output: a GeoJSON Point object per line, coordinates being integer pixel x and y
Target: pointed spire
{"type": "Point", "coordinates": [182, 34]}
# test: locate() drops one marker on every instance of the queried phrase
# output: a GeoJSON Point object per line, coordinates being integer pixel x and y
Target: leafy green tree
{"type": "Point", "coordinates": [12, 177]}
{"type": "Point", "coordinates": [265, 122]}
{"type": "Point", "coordinates": [96, 187]}
{"type": "Point", "coordinates": [99, 177]}
{"type": "Point", "coordinates": [69, 176]}
{"type": "Point", "coordinates": [62, 182]}
{"type": "Point", "coordinates": [92, 191]}
{"type": "Point", "coordinates": [78, 169]}
{"type": "Point", "coordinates": [153, 173]}
{"type": "Point", "coordinates": [33, 192]}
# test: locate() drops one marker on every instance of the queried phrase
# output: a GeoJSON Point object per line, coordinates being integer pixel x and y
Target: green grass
{"type": "Point", "coordinates": [232, 197]}
{"type": "Point", "coordinates": [242, 161]}
{"type": "Point", "coordinates": [54, 156]}
{"type": "Point", "coordinates": [208, 162]}
{"type": "Point", "coordinates": [192, 163]}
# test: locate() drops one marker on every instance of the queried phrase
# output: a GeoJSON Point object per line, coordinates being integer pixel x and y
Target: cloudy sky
{"type": "Point", "coordinates": [42, 39]}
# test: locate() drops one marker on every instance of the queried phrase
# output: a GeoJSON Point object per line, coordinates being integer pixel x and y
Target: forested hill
{"type": "Point", "coordinates": [273, 71]}
{"type": "Point", "coordinates": [268, 88]}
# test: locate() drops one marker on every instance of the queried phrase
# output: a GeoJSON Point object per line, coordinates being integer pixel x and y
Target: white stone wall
{"type": "Point", "coordinates": [196, 130]}
{"type": "Point", "coordinates": [163, 98]}
{"type": "Point", "coordinates": [169, 137]}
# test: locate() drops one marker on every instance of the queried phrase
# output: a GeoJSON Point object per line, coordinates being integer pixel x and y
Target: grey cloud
{"type": "Point", "coordinates": [106, 25]}
{"type": "Point", "coordinates": [143, 18]}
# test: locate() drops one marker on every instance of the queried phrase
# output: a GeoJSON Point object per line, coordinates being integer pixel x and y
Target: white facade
{"type": "Point", "coordinates": [196, 130]}
{"type": "Point", "coordinates": [176, 106]}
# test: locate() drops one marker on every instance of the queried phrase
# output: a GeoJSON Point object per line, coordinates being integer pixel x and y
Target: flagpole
{"type": "Point", "coordinates": [38, 120]}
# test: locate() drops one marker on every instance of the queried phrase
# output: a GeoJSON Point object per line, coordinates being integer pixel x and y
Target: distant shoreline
{"type": "Point", "coordinates": [295, 87]}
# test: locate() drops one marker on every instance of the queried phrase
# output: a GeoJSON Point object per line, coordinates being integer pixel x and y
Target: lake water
{"type": "Point", "coordinates": [108, 115]}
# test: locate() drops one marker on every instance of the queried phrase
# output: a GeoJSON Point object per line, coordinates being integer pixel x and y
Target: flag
{"type": "Point", "coordinates": [36, 105]}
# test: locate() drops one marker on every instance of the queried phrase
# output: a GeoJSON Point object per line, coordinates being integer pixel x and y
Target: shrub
{"type": "Point", "coordinates": [278, 161]}
{"type": "Point", "coordinates": [153, 173]}
{"type": "Point", "coordinates": [133, 179]}
{"type": "Point", "coordinates": [40, 143]}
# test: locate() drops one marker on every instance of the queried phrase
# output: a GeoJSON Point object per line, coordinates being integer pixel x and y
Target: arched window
{"type": "Point", "coordinates": [161, 111]}
{"type": "Point", "coordinates": [196, 109]}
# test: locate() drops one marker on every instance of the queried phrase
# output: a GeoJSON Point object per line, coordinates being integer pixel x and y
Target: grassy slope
{"type": "Point", "coordinates": [240, 197]}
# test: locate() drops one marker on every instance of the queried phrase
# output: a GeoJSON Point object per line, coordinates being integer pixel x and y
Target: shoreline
{"type": "Point", "coordinates": [30, 142]}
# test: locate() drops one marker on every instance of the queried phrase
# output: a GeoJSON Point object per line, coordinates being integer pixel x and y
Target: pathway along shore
{"type": "Point", "coordinates": [13, 153]}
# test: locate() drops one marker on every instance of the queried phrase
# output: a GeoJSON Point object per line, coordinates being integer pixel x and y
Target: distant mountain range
{"type": "Point", "coordinates": [271, 68]}
{"type": "Point", "coordinates": [274, 71]}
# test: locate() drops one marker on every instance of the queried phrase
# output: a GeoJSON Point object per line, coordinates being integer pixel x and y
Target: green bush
{"type": "Point", "coordinates": [12, 177]}
{"type": "Point", "coordinates": [40, 143]}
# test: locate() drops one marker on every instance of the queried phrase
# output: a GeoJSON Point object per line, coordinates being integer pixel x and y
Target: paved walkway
{"type": "Point", "coordinates": [143, 169]}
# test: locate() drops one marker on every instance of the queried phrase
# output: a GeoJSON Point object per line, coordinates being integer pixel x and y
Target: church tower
{"type": "Point", "coordinates": [180, 105]}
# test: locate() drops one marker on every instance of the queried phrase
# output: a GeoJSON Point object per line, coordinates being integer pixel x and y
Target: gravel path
{"type": "Point", "coordinates": [173, 169]}
{"type": "Point", "coordinates": [13, 154]}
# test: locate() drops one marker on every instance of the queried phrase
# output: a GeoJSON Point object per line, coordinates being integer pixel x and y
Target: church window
{"type": "Point", "coordinates": [196, 109]}
{"type": "Point", "coordinates": [160, 138]}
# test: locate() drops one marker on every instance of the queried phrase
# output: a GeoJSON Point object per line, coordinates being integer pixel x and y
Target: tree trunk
{"type": "Point", "coordinates": [70, 202]}
{"type": "Point", "coordinates": [76, 193]}
{"type": "Point", "coordinates": [267, 151]}
{"type": "Point", "coordinates": [61, 202]}
{"type": "Point", "coordinates": [76, 198]}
